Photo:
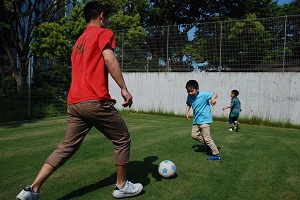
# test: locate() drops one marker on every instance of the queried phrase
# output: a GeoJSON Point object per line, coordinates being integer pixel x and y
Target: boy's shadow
{"type": "Point", "coordinates": [138, 171]}
{"type": "Point", "coordinates": [202, 148]}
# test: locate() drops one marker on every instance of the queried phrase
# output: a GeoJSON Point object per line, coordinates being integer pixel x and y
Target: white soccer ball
{"type": "Point", "coordinates": [167, 169]}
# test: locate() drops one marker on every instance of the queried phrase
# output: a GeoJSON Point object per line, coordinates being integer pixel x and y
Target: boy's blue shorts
{"type": "Point", "coordinates": [232, 119]}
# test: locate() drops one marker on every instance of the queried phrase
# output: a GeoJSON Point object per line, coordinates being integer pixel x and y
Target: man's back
{"type": "Point", "coordinates": [89, 75]}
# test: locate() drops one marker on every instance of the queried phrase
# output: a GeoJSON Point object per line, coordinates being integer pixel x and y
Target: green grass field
{"type": "Point", "coordinates": [258, 162]}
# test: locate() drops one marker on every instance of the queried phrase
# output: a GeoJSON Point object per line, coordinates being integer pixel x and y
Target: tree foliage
{"type": "Point", "coordinates": [16, 28]}
{"type": "Point", "coordinates": [55, 40]}
{"type": "Point", "coordinates": [136, 44]}
{"type": "Point", "coordinates": [292, 8]}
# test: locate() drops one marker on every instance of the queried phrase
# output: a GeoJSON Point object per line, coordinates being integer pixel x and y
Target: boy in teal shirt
{"type": "Point", "coordinates": [200, 102]}
{"type": "Point", "coordinates": [235, 108]}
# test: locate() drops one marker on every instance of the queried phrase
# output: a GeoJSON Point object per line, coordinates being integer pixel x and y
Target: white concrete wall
{"type": "Point", "coordinates": [274, 96]}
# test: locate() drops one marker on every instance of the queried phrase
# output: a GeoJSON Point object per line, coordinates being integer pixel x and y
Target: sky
{"type": "Point", "coordinates": [284, 1]}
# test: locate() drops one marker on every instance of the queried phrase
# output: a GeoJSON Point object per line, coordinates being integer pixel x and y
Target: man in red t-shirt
{"type": "Point", "coordinates": [90, 104]}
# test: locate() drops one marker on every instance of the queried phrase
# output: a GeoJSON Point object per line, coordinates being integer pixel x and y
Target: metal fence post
{"type": "Point", "coordinates": [220, 50]}
{"type": "Point", "coordinates": [122, 65]}
{"type": "Point", "coordinates": [29, 87]}
{"type": "Point", "coordinates": [284, 43]}
{"type": "Point", "coordinates": [168, 63]}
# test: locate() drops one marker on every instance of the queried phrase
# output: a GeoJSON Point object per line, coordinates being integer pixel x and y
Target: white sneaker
{"type": "Point", "coordinates": [27, 194]}
{"type": "Point", "coordinates": [230, 129]}
{"type": "Point", "coordinates": [128, 190]}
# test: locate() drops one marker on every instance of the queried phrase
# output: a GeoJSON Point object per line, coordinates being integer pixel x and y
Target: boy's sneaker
{"type": "Point", "coordinates": [230, 129]}
{"type": "Point", "coordinates": [128, 190]}
{"type": "Point", "coordinates": [27, 194]}
{"type": "Point", "coordinates": [215, 157]}
{"type": "Point", "coordinates": [237, 128]}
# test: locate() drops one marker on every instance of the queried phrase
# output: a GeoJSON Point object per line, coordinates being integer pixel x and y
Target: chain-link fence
{"type": "Point", "coordinates": [38, 93]}
{"type": "Point", "coordinates": [250, 45]}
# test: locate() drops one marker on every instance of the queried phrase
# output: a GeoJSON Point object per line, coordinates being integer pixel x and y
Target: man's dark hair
{"type": "Point", "coordinates": [192, 84]}
{"type": "Point", "coordinates": [235, 92]}
{"type": "Point", "coordinates": [92, 10]}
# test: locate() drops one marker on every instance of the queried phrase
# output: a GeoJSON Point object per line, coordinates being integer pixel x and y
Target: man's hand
{"type": "Point", "coordinates": [127, 98]}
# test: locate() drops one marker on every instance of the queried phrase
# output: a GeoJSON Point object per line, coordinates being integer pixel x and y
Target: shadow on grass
{"type": "Point", "coordinates": [138, 171]}
{"type": "Point", "coordinates": [17, 123]}
{"type": "Point", "coordinates": [202, 148]}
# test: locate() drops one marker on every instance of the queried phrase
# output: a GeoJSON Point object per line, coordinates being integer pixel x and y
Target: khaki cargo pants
{"type": "Point", "coordinates": [201, 133]}
{"type": "Point", "coordinates": [81, 118]}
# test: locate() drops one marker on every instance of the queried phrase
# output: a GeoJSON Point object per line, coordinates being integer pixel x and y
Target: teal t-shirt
{"type": "Point", "coordinates": [201, 107]}
{"type": "Point", "coordinates": [235, 107]}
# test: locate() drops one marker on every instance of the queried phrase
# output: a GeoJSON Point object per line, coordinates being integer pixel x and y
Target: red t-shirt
{"type": "Point", "coordinates": [89, 73]}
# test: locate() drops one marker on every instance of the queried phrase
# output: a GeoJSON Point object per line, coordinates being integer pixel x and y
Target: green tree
{"type": "Point", "coordinates": [292, 8]}
{"type": "Point", "coordinates": [291, 40]}
{"type": "Point", "coordinates": [245, 39]}
{"type": "Point", "coordinates": [137, 47]}
{"type": "Point", "coordinates": [130, 36]}
{"type": "Point", "coordinates": [238, 9]}
{"type": "Point", "coordinates": [50, 42]}
{"type": "Point", "coordinates": [229, 45]}
{"type": "Point", "coordinates": [55, 40]}
{"type": "Point", "coordinates": [19, 20]}
{"type": "Point", "coordinates": [52, 48]}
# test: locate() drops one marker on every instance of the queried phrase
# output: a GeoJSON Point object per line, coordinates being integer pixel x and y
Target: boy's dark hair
{"type": "Point", "coordinates": [235, 92]}
{"type": "Point", "coordinates": [192, 84]}
{"type": "Point", "coordinates": [92, 10]}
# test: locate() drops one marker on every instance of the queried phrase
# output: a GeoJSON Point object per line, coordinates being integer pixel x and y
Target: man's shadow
{"type": "Point", "coordinates": [137, 171]}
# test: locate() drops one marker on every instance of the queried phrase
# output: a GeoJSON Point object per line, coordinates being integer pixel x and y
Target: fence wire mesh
{"type": "Point", "coordinates": [250, 45]}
